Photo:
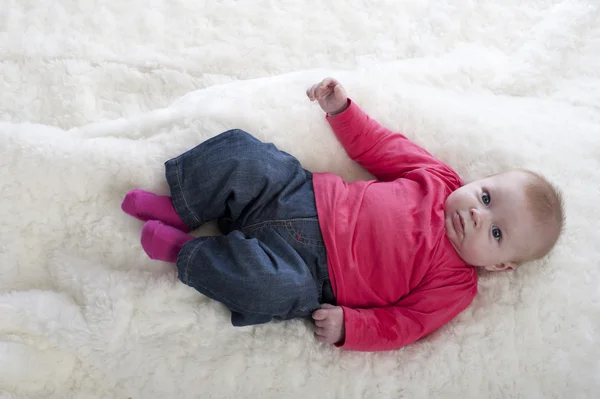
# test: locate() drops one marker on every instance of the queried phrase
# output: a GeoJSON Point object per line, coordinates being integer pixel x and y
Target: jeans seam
{"type": "Point", "coordinates": [267, 223]}
{"type": "Point", "coordinates": [287, 223]}
{"type": "Point", "coordinates": [307, 241]}
{"type": "Point", "coordinates": [182, 193]}
{"type": "Point", "coordinates": [320, 288]}
{"type": "Point", "coordinates": [187, 263]}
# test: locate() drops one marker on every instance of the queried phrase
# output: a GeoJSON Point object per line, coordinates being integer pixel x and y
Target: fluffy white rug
{"type": "Point", "coordinates": [95, 97]}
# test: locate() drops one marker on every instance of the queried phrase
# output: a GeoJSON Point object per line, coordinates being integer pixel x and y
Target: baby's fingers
{"type": "Point", "coordinates": [325, 87]}
{"type": "Point", "coordinates": [312, 92]}
{"type": "Point", "coordinates": [321, 338]}
{"type": "Point", "coordinates": [326, 82]}
{"type": "Point", "coordinates": [320, 314]}
{"type": "Point", "coordinates": [321, 331]}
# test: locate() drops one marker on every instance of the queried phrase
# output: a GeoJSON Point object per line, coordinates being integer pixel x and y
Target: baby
{"type": "Point", "coordinates": [377, 264]}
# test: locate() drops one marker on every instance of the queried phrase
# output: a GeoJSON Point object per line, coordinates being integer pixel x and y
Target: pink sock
{"type": "Point", "coordinates": [162, 242]}
{"type": "Point", "coordinates": [145, 206]}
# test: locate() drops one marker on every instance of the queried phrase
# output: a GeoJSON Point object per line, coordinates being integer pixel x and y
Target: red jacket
{"type": "Point", "coordinates": [392, 268]}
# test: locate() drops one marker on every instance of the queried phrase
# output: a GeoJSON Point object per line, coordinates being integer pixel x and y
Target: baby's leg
{"type": "Point", "coordinates": [257, 280]}
{"type": "Point", "coordinates": [145, 206]}
{"type": "Point", "coordinates": [237, 180]}
{"type": "Point", "coordinates": [162, 242]}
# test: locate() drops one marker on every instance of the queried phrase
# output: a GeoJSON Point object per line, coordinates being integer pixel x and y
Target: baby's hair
{"type": "Point", "coordinates": [546, 204]}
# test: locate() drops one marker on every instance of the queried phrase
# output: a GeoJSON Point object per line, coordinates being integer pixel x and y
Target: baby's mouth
{"type": "Point", "coordinates": [459, 223]}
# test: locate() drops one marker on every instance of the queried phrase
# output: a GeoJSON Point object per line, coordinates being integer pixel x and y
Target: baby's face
{"type": "Point", "coordinates": [488, 221]}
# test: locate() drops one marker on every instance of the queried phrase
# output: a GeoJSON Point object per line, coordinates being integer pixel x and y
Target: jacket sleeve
{"type": "Point", "coordinates": [385, 154]}
{"type": "Point", "coordinates": [416, 315]}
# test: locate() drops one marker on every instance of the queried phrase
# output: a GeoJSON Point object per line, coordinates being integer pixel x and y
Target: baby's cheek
{"type": "Point", "coordinates": [478, 252]}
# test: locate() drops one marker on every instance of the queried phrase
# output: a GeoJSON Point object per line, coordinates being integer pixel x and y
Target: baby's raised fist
{"type": "Point", "coordinates": [330, 94]}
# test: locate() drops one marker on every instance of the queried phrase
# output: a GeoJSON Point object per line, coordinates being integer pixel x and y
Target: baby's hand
{"type": "Point", "coordinates": [331, 96]}
{"type": "Point", "coordinates": [330, 324]}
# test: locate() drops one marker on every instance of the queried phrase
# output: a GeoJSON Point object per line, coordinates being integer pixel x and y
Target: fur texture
{"type": "Point", "coordinates": [95, 97]}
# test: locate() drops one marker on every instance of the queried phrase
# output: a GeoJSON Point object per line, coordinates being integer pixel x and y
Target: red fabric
{"type": "Point", "coordinates": [392, 268]}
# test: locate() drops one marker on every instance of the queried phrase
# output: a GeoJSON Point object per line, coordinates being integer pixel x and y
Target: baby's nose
{"type": "Point", "coordinates": [479, 216]}
{"type": "Point", "coordinates": [476, 216]}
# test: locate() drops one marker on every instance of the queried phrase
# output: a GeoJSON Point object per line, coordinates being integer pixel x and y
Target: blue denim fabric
{"type": "Point", "coordinates": [271, 262]}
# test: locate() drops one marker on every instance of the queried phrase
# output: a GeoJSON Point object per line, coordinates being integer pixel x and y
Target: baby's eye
{"type": "Point", "coordinates": [485, 197]}
{"type": "Point", "coordinates": [496, 233]}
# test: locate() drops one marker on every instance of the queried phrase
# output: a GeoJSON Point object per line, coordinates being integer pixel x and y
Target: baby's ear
{"type": "Point", "coordinates": [501, 267]}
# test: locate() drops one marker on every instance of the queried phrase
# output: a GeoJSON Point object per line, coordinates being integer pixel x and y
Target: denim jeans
{"type": "Point", "coordinates": [271, 262]}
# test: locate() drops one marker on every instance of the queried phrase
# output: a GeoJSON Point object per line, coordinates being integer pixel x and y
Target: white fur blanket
{"type": "Point", "coordinates": [95, 96]}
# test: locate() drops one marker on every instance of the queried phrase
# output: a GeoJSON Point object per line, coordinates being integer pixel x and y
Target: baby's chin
{"type": "Point", "coordinates": [447, 203]}
{"type": "Point", "coordinates": [451, 235]}
{"type": "Point", "coordinates": [471, 257]}
{"type": "Point", "coordinates": [451, 204]}
{"type": "Point", "coordinates": [449, 210]}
